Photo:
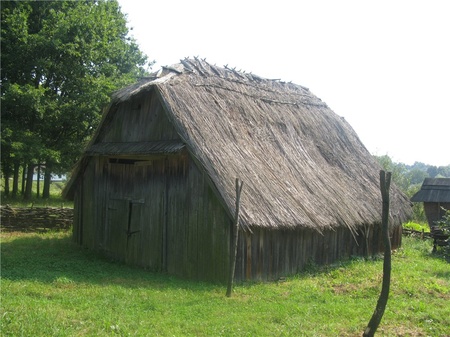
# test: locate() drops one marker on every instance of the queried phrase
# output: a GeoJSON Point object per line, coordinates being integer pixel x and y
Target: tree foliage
{"type": "Point", "coordinates": [444, 225]}
{"type": "Point", "coordinates": [409, 178]}
{"type": "Point", "coordinates": [61, 60]}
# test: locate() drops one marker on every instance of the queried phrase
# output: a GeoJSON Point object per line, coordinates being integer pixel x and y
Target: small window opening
{"type": "Point", "coordinates": [139, 162]}
{"type": "Point", "coordinates": [122, 161]}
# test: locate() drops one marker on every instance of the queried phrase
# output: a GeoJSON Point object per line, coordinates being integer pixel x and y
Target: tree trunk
{"type": "Point", "coordinates": [38, 181]}
{"type": "Point", "coordinates": [24, 175]}
{"type": "Point", "coordinates": [29, 182]}
{"type": "Point", "coordinates": [47, 182]}
{"type": "Point", "coordinates": [6, 175]}
{"type": "Point", "coordinates": [15, 188]}
{"type": "Point", "coordinates": [385, 181]}
{"type": "Point", "coordinates": [235, 230]}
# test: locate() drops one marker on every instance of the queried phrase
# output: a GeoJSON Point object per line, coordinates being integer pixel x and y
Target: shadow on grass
{"type": "Point", "coordinates": [53, 258]}
{"type": "Point", "coordinates": [443, 274]}
{"type": "Point", "coordinates": [441, 254]}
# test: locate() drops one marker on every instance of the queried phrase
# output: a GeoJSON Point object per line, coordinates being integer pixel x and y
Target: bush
{"type": "Point", "coordinates": [444, 226]}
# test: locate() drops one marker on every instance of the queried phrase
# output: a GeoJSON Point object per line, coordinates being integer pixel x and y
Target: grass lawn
{"type": "Point", "coordinates": [419, 227]}
{"type": "Point", "coordinates": [55, 200]}
{"type": "Point", "coordinates": [51, 287]}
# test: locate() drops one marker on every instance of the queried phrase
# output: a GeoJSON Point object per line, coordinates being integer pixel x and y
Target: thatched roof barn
{"type": "Point", "coordinates": [435, 195]}
{"type": "Point", "coordinates": [156, 185]}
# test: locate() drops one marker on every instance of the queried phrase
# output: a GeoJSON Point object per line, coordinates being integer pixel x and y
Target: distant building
{"type": "Point", "coordinates": [435, 195]}
{"type": "Point", "coordinates": [55, 177]}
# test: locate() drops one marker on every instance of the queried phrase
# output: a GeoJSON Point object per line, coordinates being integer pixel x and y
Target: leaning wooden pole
{"type": "Point", "coordinates": [385, 181]}
{"type": "Point", "coordinates": [235, 229]}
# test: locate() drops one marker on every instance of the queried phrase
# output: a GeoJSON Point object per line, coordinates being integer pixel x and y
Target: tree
{"type": "Point", "coordinates": [417, 176]}
{"type": "Point", "coordinates": [444, 225]}
{"type": "Point", "coordinates": [399, 171]}
{"type": "Point", "coordinates": [432, 171]}
{"type": "Point", "coordinates": [444, 171]}
{"type": "Point", "coordinates": [61, 60]}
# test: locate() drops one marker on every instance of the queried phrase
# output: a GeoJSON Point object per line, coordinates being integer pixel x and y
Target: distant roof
{"type": "Point", "coordinates": [433, 190]}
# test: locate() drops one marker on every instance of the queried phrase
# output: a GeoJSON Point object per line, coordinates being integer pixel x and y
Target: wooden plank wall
{"type": "Point", "coordinates": [183, 228]}
{"type": "Point", "coordinates": [177, 222]}
{"type": "Point", "coordinates": [198, 229]}
{"type": "Point", "coordinates": [267, 255]}
{"type": "Point", "coordinates": [138, 120]}
{"type": "Point", "coordinates": [434, 211]}
{"type": "Point", "coordinates": [85, 202]}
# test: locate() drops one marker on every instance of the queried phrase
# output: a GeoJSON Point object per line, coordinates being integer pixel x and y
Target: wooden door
{"type": "Point", "coordinates": [135, 215]}
{"type": "Point", "coordinates": [124, 227]}
{"type": "Point", "coordinates": [116, 228]}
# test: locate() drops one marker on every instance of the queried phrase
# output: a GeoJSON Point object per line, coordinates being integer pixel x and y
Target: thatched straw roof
{"type": "Point", "coordinates": [301, 164]}
{"type": "Point", "coordinates": [433, 190]}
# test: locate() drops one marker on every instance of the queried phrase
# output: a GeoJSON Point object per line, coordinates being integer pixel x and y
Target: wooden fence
{"type": "Point", "coordinates": [422, 234]}
{"type": "Point", "coordinates": [439, 236]}
{"type": "Point", "coordinates": [35, 218]}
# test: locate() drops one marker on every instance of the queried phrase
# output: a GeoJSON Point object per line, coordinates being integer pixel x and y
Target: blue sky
{"type": "Point", "coordinates": [383, 65]}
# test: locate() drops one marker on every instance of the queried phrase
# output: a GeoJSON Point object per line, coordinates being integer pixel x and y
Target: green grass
{"type": "Point", "coordinates": [55, 199]}
{"type": "Point", "coordinates": [51, 287]}
{"type": "Point", "coordinates": [417, 226]}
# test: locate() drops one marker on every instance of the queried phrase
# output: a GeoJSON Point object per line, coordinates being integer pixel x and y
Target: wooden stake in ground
{"type": "Point", "coordinates": [235, 229]}
{"type": "Point", "coordinates": [385, 181]}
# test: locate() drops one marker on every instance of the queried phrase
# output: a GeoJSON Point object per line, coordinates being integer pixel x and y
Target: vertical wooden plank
{"type": "Point", "coordinates": [197, 191]}
{"type": "Point", "coordinates": [240, 261]}
{"type": "Point", "coordinates": [140, 119]}
{"type": "Point", "coordinates": [279, 242]}
{"type": "Point", "coordinates": [165, 220]}
{"type": "Point", "coordinates": [88, 216]}
{"type": "Point", "coordinates": [298, 250]}
{"type": "Point", "coordinates": [305, 247]}
{"type": "Point", "coordinates": [248, 256]}
{"type": "Point", "coordinates": [296, 237]}
{"type": "Point", "coordinates": [78, 214]}
{"type": "Point", "coordinates": [211, 236]}
{"type": "Point", "coordinates": [270, 244]}
{"type": "Point", "coordinates": [99, 205]}
{"type": "Point", "coordinates": [190, 200]}
{"type": "Point", "coordinates": [260, 254]}
{"type": "Point", "coordinates": [118, 215]}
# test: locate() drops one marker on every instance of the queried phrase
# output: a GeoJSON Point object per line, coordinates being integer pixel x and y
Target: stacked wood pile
{"type": "Point", "coordinates": [35, 218]}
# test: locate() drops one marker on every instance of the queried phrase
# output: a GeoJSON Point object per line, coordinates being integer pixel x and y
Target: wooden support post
{"type": "Point", "coordinates": [385, 181]}
{"type": "Point", "coordinates": [235, 229]}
